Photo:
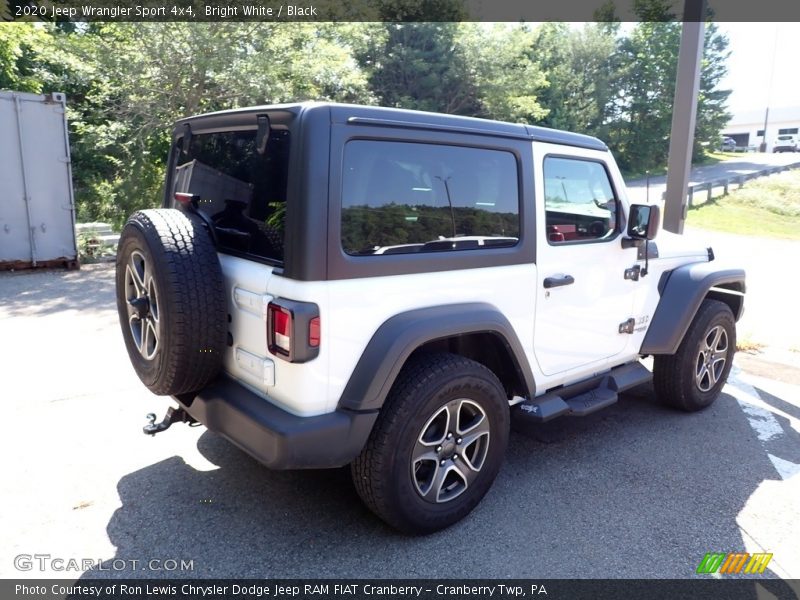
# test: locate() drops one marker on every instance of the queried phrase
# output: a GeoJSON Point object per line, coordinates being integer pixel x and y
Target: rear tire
{"type": "Point", "coordinates": [437, 446]}
{"type": "Point", "coordinates": [692, 378]}
{"type": "Point", "coordinates": [171, 301]}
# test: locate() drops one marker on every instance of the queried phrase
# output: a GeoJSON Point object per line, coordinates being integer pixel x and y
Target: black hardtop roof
{"type": "Point", "coordinates": [399, 117]}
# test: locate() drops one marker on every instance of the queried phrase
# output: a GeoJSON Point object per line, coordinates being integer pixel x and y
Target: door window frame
{"type": "Point", "coordinates": [345, 266]}
{"type": "Point", "coordinates": [617, 212]}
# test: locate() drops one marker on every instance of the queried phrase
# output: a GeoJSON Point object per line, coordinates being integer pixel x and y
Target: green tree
{"type": "Point", "coordinates": [456, 68]}
{"type": "Point", "coordinates": [127, 83]}
{"type": "Point", "coordinates": [24, 57]}
{"type": "Point", "coordinates": [507, 79]}
{"type": "Point", "coordinates": [712, 111]}
{"type": "Point", "coordinates": [420, 66]}
{"type": "Point", "coordinates": [644, 67]}
{"type": "Point", "coordinates": [645, 92]}
{"type": "Point", "coordinates": [577, 64]}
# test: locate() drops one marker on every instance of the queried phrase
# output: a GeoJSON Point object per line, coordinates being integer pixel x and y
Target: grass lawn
{"type": "Point", "coordinates": [718, 156]}
{"type": "Point", "coordinates": [767, 207]}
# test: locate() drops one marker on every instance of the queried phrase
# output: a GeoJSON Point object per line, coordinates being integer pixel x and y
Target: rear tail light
{"type": "Point", "coordinates": [293, 330]}
{"type": "Point", "coordinates": [313, 332]}
{"type": "Point", "coordinates": [281, 329]}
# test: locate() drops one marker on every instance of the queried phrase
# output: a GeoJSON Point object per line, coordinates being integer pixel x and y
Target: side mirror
{"type": "Point", "coordinates": [643, 221]}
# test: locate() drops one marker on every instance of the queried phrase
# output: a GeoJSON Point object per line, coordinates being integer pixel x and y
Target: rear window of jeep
{"type": "Point", "coordinates": [403, 197]}
{"type": "Point", "coordinates": [241, 190]}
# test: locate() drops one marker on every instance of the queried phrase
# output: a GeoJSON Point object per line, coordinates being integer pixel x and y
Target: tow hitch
{"type": "Point", "coordinates": [174, 415]}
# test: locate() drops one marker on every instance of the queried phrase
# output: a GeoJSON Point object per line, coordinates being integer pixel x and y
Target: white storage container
{"type": "Point", "coordinates": [37, 207]}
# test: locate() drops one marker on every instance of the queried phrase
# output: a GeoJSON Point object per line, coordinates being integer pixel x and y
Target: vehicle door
{"type": "Point", "coordinates": [582, 295]}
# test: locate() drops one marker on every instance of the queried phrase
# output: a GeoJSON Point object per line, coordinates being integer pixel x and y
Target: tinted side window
{"type": "Point", "coordinates": [579, 201]}
{"type": "Point", "coordinates": [400, 197]}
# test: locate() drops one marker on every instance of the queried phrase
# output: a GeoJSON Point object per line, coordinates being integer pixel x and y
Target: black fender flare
{"type": "Point", "coordinates": [395, 340]}
{"type": "Point", "coordinates": [682, 291]}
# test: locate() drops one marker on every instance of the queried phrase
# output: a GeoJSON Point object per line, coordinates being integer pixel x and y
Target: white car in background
{"type": "Point", "coordinates": [786, 143]}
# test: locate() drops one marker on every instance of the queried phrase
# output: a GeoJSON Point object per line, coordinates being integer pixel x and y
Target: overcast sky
{"type": "Point", "coordinates": [761, 52]}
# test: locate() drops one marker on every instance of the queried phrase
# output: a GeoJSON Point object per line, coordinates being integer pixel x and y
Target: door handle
{"type": "Point", "coordinates": [558, 281]}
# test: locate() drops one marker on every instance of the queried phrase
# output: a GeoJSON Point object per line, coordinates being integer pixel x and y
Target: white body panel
{"type": "Point", "coordinates": [350, 313]}
{"type": "Point", "coordinates": [576, 326]}
{"type": "Point", "coordinates": [358, 307]}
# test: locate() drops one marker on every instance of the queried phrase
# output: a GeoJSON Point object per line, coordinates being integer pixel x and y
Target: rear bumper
{"type": "Point", "coordinates": [275, 437]}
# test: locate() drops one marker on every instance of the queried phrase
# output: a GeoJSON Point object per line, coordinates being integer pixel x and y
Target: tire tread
{"type": "Point", "coordinates": [669, 371]}
{"type": "Point", "coordinates": [193, 295]}
{"type": "Point", "coordinates": [401, 406]}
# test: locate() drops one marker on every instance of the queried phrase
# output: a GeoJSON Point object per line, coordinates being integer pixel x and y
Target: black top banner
{"type": "Point", "coordinates": [395, 10]}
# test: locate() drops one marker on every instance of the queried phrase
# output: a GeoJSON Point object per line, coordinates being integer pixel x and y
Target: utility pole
{"type": "Point", "coordinates": [684, 114]}
{"type": "Point", "coordinates": [763, 147]}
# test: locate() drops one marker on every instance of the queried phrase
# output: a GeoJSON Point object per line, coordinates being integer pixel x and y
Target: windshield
{"type": "Point", "coordinates": [242, 191]}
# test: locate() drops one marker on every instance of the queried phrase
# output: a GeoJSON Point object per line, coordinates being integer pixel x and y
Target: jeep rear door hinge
{"type": "Point", "coordinates": [633, 273]}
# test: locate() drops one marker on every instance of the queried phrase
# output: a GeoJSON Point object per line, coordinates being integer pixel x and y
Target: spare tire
{"type": "Point", "coordinates": [171, 300]}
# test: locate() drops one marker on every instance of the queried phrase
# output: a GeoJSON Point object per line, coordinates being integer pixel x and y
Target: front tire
{"type": "Point", "coordinates": [437, 446]}
{"type": "Point", "coordinates": [693, 377]}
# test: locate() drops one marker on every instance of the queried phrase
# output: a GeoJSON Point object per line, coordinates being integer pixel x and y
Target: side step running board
{"type": "Point", "coordinates": [579, 400]}
{"type": "Point", "coordinates": [591, 401]}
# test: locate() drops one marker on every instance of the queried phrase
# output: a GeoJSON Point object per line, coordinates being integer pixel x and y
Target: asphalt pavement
{"type": "Point", "coordinates": [748, 162]}
{"type": "Point", "coordinates": [636, 490]}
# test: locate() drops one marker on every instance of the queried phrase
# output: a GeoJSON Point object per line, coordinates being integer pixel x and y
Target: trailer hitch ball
{"type": "Point", "coordinates": [174, 415]}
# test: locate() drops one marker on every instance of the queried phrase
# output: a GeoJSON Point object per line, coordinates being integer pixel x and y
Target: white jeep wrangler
{"type": "Point", "coordinates": [330, 284]}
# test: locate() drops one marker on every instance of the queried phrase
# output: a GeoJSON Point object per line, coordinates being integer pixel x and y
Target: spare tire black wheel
{"type": "Point", "coordinates": [171, 300]}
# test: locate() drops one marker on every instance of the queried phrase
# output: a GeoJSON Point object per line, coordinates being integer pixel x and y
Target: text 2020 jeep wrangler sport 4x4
{"type": "Point", "coordinates": [330, 284]}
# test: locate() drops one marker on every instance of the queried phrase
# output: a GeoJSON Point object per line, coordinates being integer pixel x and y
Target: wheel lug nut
{"type": "Point", "coordinates": [438, 448]}
{"type": "Point", "coordinates": [458, 441]}
{"type": "Point", "coordinates": [442, 463]}
{"type": "Point", "coordinates": [455, 456]}
{"type": "Point", "coordinates": [449, 436]}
